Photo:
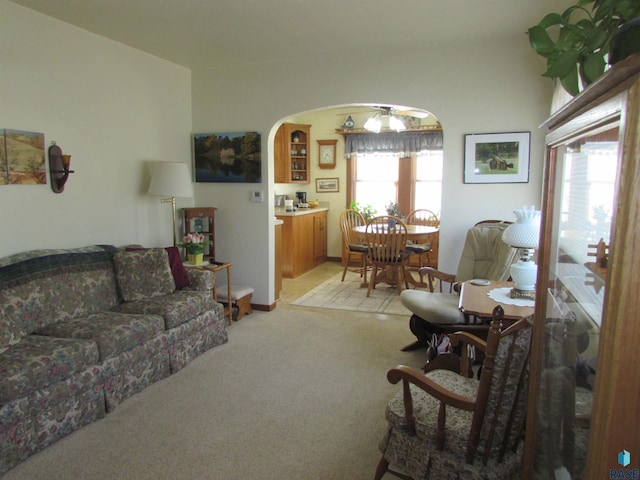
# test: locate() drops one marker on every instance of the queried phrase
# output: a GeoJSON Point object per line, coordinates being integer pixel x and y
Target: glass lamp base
{"type": "Point", "coordinates": [527, 294]}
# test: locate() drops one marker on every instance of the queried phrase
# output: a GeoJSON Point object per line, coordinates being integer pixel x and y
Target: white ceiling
{"type": "Point", "coordinates": [219, 32]}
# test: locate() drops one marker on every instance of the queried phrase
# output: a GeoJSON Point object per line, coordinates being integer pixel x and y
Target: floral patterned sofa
{"type": "Point", "coordinates": [83, 329]}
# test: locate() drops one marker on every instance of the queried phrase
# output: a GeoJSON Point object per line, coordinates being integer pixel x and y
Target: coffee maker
{"type": "Point", "coordinates": [301, 197]}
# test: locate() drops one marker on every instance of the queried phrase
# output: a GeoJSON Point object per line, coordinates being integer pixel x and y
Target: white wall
{"type": "Point", "coordinates": [478, 88]}
{"type": "Point", "coordinates": [113, 109]}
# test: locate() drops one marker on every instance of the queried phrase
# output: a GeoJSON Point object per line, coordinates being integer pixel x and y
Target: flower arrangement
{"type": "Point", "coordinates": [194, 243]}
{"type": "Point", "coordinates": [393, 209]}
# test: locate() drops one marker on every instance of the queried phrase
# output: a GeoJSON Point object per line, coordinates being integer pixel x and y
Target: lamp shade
{"type": "Point", "coordinates": [373, 124]}
{"type": "Point", "coordinates": [171, 179]}
{"type": "Point", "coordinates": [525, 233]}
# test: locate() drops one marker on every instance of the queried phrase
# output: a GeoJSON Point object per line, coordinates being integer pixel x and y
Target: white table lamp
{"type": "Point", "coordinates": [171, 180]}
{"type": "Point", "coordinates": [524, 235]}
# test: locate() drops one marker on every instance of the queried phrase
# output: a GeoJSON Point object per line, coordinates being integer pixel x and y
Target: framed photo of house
{"type": "Point", "coordinates": [497, 157]}
{"type": "Point", "coordinates": [327, 185]}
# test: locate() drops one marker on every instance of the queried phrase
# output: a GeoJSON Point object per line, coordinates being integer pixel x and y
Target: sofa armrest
{"type": "Point", "coordinates": [200, 279]}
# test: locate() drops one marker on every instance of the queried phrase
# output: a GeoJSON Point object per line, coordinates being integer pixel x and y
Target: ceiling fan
{"type": "Point", "coordinates": [389, 111]}
{"type": "Point", "coordinates": [392, 116]}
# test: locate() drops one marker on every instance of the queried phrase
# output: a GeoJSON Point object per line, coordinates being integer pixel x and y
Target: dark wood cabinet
{"type": "Point", "coordinates": [202, 220]}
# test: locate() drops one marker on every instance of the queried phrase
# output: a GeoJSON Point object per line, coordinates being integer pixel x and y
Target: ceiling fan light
{"type": "Point", "coordinates": [396, 124]}
{"type": "Point", "coordinates": [373, 124]}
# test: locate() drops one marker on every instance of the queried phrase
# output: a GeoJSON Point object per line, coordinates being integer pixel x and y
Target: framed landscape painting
{"type": "Point", "coordinates": [497, 157]}
{"type": "Point", "coordinates": [22, 158]}
{"type": "Point", "coordinates": [232, 157]}
{"type": "Point", "coordinates": [327, 185]}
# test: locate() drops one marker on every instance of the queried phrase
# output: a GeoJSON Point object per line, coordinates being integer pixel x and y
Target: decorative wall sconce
{"type": "Point", "coordinates": [58, 168]}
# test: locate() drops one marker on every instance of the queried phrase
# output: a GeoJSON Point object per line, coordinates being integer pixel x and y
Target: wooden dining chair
{"type": "Point", "coordinates": [353, 244]}
{"type": "Point", "coordinates": [387, 250]}
{"type": "Point", "coordinates": [422, 216]}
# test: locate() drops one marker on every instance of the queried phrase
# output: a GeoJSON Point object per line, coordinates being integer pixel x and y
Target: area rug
{"type": "Point", "coordinates": [349, 295]}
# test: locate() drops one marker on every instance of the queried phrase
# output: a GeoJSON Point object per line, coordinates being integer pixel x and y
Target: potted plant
{"type": "Point", "coordinates": [393, 209]}
{"type": "Point", "coordinates": [194, 244]}
{"type": "Point", "coordinates": [367, 211]}
{"type": "Point", "coordinates": [581, 40]}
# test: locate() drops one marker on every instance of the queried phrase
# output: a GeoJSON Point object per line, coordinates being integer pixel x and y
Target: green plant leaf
{"type": "Point", "coordinates": [541, 42]}
{"type": "Point", "coordinates": [592, 67]}
{"type": "Point", "coordinates": [550, 20]}
{"type": "Point", "coordinates": [570, 83]}
{"type": "Point", "coordinates": [597, 40]}
{"type": "Point", "coordinates": [563, 65]}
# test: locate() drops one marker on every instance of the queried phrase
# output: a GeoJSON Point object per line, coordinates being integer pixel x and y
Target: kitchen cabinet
{"type": "Point", "coordinates": [583, 405]}
{"type": "Point", "coordinates": [320, 236]}
{"type": "Point", "coordinates": [304, 241]}
{"type": "Point", "coordinates": [292, 150]}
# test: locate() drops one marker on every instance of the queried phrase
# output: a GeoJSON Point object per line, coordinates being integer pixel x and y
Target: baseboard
{"type": "Point", "coordinates": [264, 308]}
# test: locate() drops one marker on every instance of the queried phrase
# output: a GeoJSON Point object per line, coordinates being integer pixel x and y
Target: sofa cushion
{"type": "Point", "coordinates": [39, 287]}
{"type": "Point", "coordinates": [10, 332]}
{"type": "Point", "coordinates": [113, 332]}
{"type": "Point", "coordinates": [175, 264]}
{"type": "Point", "coordinates": [143, 273]}
{"type": "Point", "coordinates": [176, 308]}
{"type": "Point", "coordinates": [38, 361]}
{"type": "Point", "coordinates": [177, 267]}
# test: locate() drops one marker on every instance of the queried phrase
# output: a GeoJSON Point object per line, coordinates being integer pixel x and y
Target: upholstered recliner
{"type": "Point", "coordinates": [485, 256]}
{"type": "Point", "coordinates": [446, 425]}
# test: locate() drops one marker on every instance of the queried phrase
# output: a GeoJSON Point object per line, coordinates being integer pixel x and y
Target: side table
{"type": "Point", "coordinates": [474, 300]}
{"type": "Point", "coordinates": [216, 267]}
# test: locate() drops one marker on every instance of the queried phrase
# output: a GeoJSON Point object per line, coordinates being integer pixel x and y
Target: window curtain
{"type": "Point", "coordinates": [401, 144]}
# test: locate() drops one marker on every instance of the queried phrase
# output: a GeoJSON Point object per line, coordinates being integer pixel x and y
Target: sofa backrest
{"type": "Point", "coordinates": [46, 286]}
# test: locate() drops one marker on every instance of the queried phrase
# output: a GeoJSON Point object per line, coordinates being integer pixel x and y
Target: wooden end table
{"type": "Point", "coordinates": [474, 300]}
{"type": "Point", "coordinates": [216, 267]}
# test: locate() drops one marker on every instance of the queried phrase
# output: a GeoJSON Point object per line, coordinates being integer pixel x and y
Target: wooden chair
{"type": "Point", "coordinates": [484, 255]}
{"type": "Point", "coordinates": [387, 250]}
{"type": "Point", "coordinates": [422, 216]}
{"type": "Point", "coordinates": [349, 219]}
{"type": "Point", "coordinates": [446, 425]}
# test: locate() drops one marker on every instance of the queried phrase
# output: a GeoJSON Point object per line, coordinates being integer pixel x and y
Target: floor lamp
{"type": "Point", "coordinates": [171, 180]}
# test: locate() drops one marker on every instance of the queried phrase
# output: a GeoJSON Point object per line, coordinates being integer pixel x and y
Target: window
{"type": "Point", "coordinates": [413, 182]}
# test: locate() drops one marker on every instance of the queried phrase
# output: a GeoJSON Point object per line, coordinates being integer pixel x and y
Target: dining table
{"type": "Point", "coordinates": [415, 234]}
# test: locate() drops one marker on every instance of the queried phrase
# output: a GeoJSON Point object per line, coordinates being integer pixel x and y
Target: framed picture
{"type": "Point", "coordinates": [22, 158]}
{"type": "Point", "coordinates": [327, 153]}
{"type": "Point", "coordinates": [327, 185]}
{"type": "Point", "coordinates": [232, 157]}
{"type": "Point", "coordinates": [497, 157]}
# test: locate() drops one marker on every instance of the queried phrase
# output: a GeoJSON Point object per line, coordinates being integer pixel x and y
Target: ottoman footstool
{"type": "Point", "coordinates": [240, 299]}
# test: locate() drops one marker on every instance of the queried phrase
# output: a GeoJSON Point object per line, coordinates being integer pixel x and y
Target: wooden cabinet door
{"type": "Point", "coordinates": [279, 159]}
{"type": "Point", "coordinates": [319, 235]}
{"type": "Point", "coordinates": [278, 261]}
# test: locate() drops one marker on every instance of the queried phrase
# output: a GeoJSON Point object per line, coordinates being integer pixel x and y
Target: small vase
{"type": "Point", "coordinates": [195, 258]}
{"type": "Point", "coordinates": [392, 223]}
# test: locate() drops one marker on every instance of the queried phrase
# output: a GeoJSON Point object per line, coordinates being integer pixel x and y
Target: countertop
{"type": "Point", "coordinates": [281, 212]}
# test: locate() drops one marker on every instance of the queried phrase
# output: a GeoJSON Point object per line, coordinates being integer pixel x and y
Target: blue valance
{"type": "Point", "coordinates": [402, 144]}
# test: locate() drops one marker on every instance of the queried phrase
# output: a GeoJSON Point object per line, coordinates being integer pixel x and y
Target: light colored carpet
{"type": "Point", "coordinates": [296, 393]}
{"type": "Point", "coordinates": [349, 295]}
